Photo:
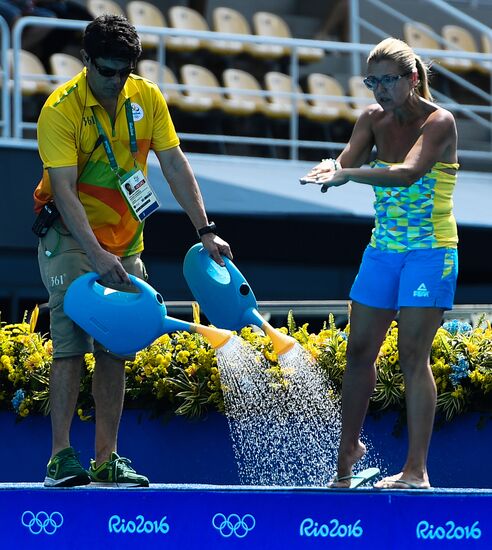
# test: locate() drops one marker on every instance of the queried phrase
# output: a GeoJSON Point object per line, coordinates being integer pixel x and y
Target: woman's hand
{"type": "Point", "coordinates": [331, 179]}
{"type": "Point", "coordinates": [324, 167]}
{"type": "Point", "coordinates": [328, 173]}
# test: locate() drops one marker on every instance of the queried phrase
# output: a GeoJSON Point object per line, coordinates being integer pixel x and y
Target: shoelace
{"type": "Point", "coordinates": [123, 464]}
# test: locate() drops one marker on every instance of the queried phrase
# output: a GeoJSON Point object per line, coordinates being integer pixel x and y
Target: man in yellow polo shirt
{"type": "Point", "coordinates": [94, 135]}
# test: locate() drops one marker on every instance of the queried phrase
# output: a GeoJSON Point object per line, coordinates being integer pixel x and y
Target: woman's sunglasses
{"type": "Point", "coordinates": [388, 81]}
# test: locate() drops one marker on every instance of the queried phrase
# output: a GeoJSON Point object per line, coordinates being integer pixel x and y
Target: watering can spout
{"type": "Point", "coordinates": [217, 337]}
{"type": "Point", "coordinates": [170, 324]}
{"type": "Point", "coordinates": [280, 341]}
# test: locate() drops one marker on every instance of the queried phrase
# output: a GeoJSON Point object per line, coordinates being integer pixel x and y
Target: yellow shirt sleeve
{"type": "Point", "coordinates": [164, 135]}
{"type": "Point", "coordinates": [57, 140]}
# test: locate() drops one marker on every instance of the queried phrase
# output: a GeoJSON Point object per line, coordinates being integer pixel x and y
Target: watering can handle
{"type": "Point", "coordinates": [143, 287]}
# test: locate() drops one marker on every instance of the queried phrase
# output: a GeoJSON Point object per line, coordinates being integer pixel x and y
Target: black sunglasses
{"type": "Point", "coordinates": [108, 72]}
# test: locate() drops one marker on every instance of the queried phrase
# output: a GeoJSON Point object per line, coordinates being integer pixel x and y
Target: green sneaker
{"type": "Point", "coordinates": [65, 470]}
{"type": "Point", "coordinates": [117, 471]}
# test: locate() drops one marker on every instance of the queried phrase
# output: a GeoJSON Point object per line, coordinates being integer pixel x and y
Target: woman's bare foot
{"type": "Point", "coordinates": [346, 461]}
{"type": "Point", "coordinates": [403, 481]}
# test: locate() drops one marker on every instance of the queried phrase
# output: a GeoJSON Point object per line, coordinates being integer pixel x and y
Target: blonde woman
{"type": "Point", "coordinates": [410, 265]}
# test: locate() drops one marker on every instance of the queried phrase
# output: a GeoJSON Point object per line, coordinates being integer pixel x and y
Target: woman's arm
{"type": "Point", "coordinates": [437, 137]}
{"type": "Point", "coordinates": [355, 153]}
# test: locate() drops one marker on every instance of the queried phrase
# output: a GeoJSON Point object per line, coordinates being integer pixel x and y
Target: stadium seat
{"type": "Point", "coordinates": [162, 76]}
{"type": "Point", "coordinates": [34, 79]}
{"type": "Point", "coordinates": [146, 14]}
{"type": "Point", "coordinates": [184, 18]}
{"type": "Point", "coordinates": [327, 108]}
{"type": "Point", "coordinates": [64, 67]}
{"type": "Point", "coordinates": [270, 24]}
{"type": "Point", "coordinates": [200, 100]}
{"type": "Point", "coordinates": [237, 79]}
{"type": "Point", "coordinates": [101, 7]}
{"type": "Point", "coordinates": [230, 21]}
{"type": "Point", "coordinates": [279, 84]}
{"type": "Point", "coordinates": [461, 39]}
{"type": "Point", "coordinates": [196, 100]}
{"type": "Point", "coordinates": [358, 90]}
{"type": "Point", "coordinates": [419, 35]}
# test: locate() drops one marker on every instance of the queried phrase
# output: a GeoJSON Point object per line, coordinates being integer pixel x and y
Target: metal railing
{"type": "Point", "coordinates": [4, 75]}
{"type": "Point", "coordinates": [293, 142]}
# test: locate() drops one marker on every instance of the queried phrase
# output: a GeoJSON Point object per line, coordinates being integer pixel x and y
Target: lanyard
{"type": "Point", "coordinates": [131, 133]}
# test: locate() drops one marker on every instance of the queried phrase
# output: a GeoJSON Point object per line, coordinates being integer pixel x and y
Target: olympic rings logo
{"type": "Point", "coordinates": [42, 522]}
{"type": "Point", "coordinates": [233, 525]}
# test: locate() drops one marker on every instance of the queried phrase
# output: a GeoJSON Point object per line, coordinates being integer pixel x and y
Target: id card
{"type": "Point", "coordinates": [138, 194]}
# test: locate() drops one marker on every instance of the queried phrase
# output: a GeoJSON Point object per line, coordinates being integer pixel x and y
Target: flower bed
{"type": "Point", "coordinates": [178, 374]}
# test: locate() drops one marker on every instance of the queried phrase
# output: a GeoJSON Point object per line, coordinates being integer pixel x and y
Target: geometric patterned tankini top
{"type": "Point", "coordinates": [418, 216]}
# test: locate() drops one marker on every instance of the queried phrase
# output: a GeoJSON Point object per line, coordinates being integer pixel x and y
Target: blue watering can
{"type": "Point", "coordinates": [225, 296]}
{"type": "Point", "coordinates": [126, 322]}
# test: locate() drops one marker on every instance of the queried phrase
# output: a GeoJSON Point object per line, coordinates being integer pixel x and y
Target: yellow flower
{"type": "Point", "coordinates": [90, 361]}
{"type": "Point", "coordinates": [458, 392]}
{"type": "Point", "coordinates": [191, 370]}
{"type": "Point", "coordinates": [472, 348]}
{"type": "Point", "coordinates": [477, 377]}
{"type": "Point", "coordinates": [34, 360]}
{"type": "Point", "coordinates": [183, 357]}
{"type": "Point", "coordinates": [148, 370]}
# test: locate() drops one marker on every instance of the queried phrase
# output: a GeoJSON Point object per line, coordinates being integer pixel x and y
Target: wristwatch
{"type": "Point", "coordinates": [210, 228]}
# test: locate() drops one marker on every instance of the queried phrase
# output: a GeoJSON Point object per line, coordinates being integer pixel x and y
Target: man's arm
{"type": "Point", "coordinates": [64, 187]}
{"type": "Point", "coordinates": [179, 175]}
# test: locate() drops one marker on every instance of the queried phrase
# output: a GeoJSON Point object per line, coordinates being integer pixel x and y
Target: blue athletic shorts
{"type": "Point", "coordinates": [417, 278]}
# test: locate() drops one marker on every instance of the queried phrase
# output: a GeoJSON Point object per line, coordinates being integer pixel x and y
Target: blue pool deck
{"type": "Point", "coordinates": [198, 516]}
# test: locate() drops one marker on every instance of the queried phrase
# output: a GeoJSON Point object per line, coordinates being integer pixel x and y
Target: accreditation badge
{"type": "Point", "coordinates": [138, 194]}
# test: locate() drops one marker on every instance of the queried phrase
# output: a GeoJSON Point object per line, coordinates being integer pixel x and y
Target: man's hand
{"type": "Point", "coordinates": [109, 268]}
{"type": "Point", "coordinates": [216, 247]}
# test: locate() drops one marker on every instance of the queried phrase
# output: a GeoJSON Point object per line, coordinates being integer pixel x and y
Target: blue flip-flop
{"type": "Point", "coordinates": [358, 479]}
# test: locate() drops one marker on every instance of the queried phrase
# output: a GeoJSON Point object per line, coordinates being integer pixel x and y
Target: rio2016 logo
{"type": "Point", "coordinates": [42, 522]}
{"type": "Point", "coordinates": [334, 529]}
{"type": "Point", "coordinates": [118, 525]}
{"type": "Point", "coordinates": [450, 531]}
{"type": "Point", "coordinates": [233, 525]}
